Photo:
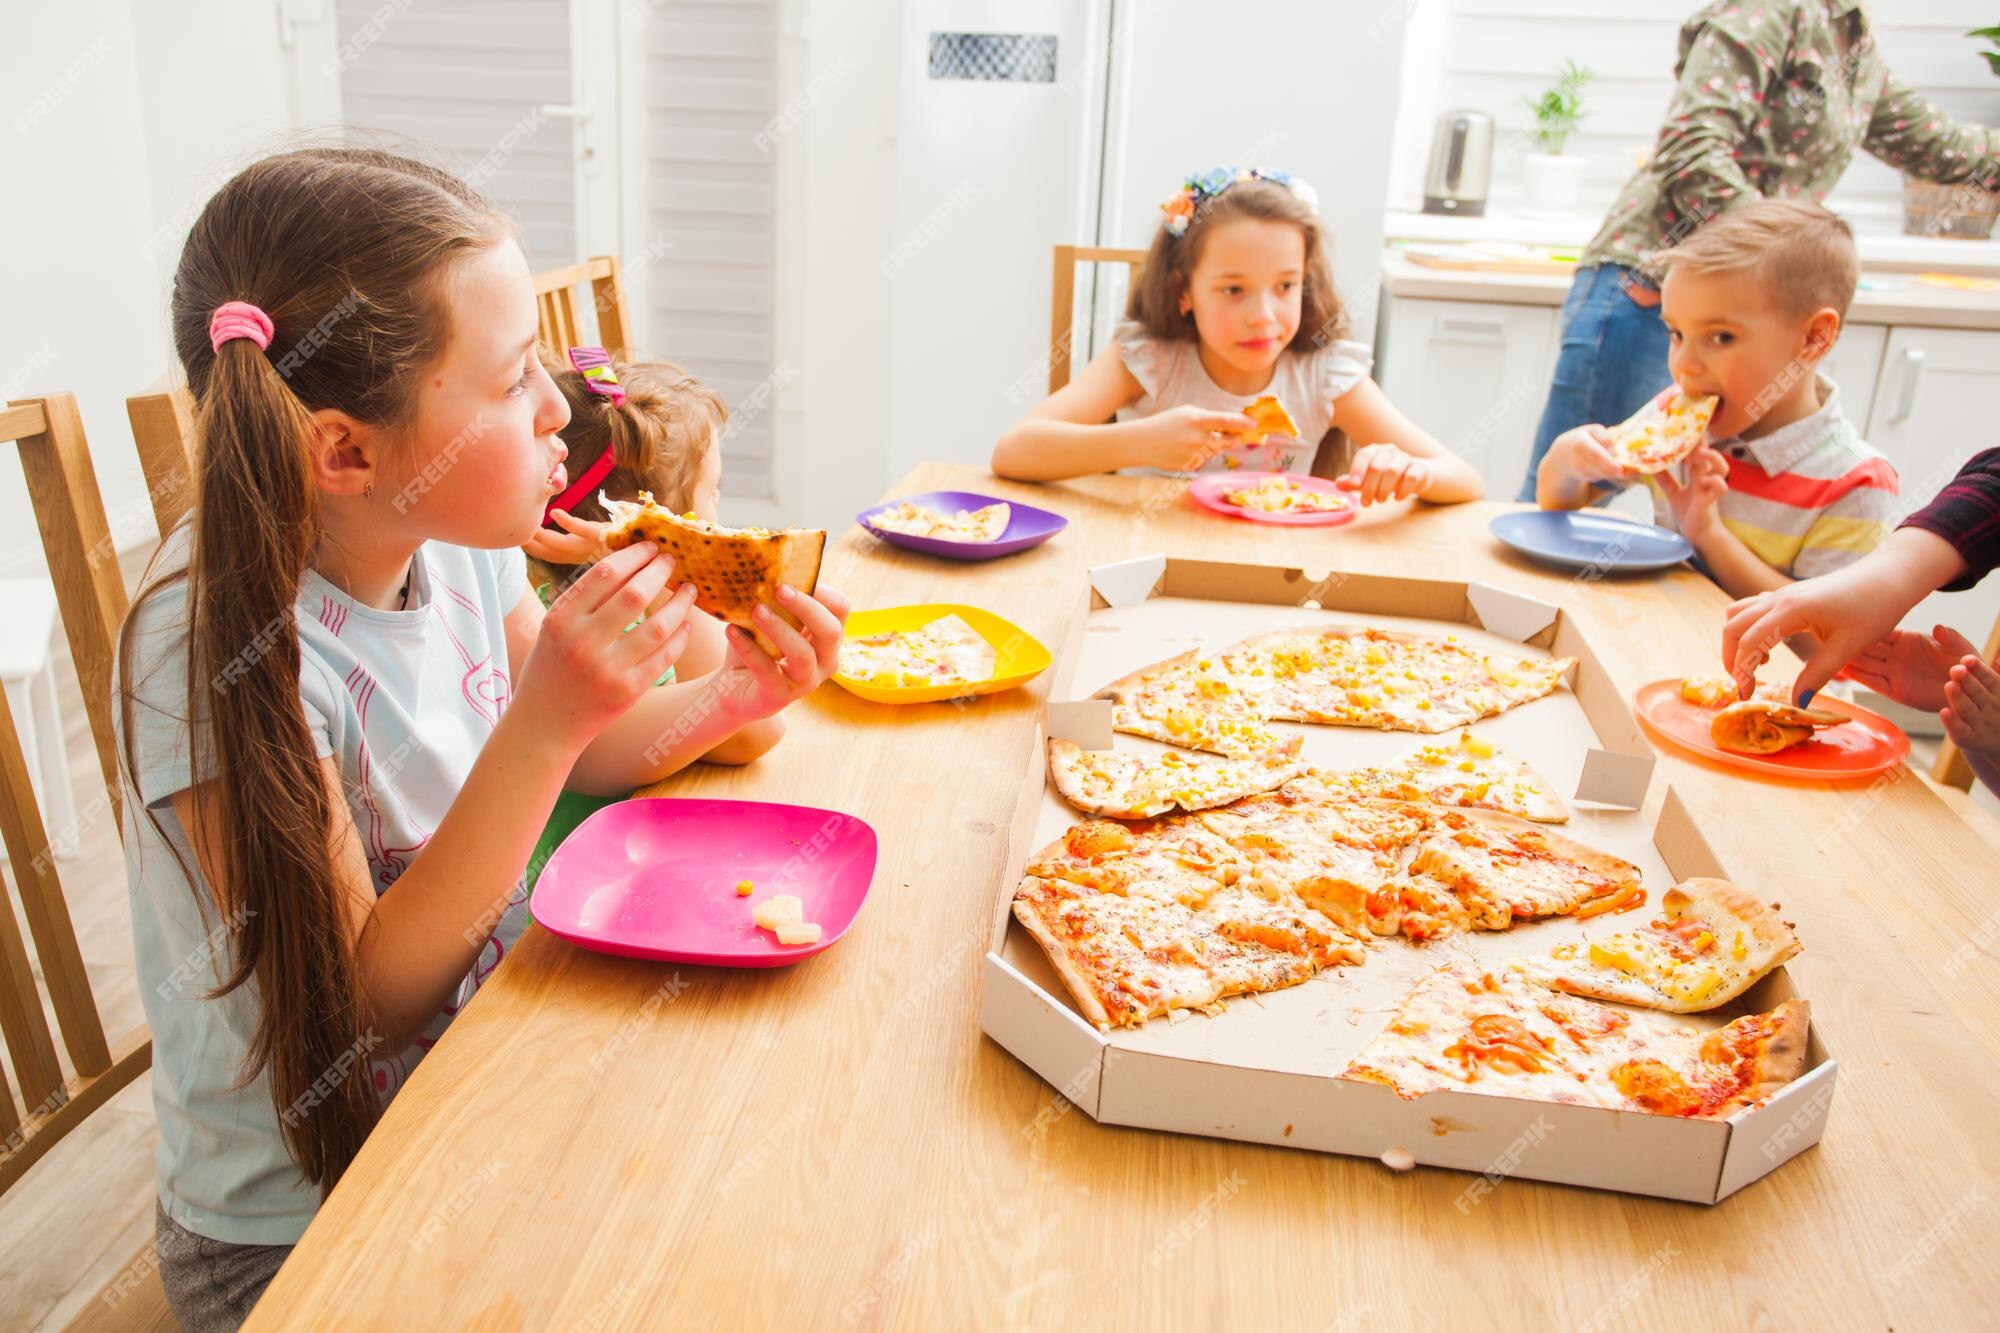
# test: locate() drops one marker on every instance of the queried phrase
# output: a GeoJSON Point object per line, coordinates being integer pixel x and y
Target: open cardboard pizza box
{"type": "Point", "coordinates": [1266, 1070]}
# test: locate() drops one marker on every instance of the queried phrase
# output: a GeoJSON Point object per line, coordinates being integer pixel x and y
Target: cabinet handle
{"type": "Point", "coordinates": [1906, 394]}
{"type": "Point", "coordinates": [1491, 332]}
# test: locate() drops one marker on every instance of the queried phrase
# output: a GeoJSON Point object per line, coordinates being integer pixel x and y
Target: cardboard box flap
{"type": "Point", "coordinates": [1087, 722]}
{"type": "Point", "coordinates": [1509, 614]}
{"type": "Point", "coordinates": [1620, 780]}
{"type": "Point", "coordinates": [1128, 582]}
{"type": "Point", "coordinates": [1042, 1034]}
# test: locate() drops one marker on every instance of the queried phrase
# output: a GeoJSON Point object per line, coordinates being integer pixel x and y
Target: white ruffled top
{"type": "Point", "coordinates": [1307, 383]}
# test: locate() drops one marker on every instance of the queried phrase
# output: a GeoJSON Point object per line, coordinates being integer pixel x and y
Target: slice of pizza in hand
{"type": "Point", "coordinates": [1663, 432]}
{"type": "Point", "coordinates": [1471, 772]}
{"type": "Point", "coordinates": [1766, 726]}
{"type": "Point", "coordinates": [1711, 943]}
{"type": "Point", "coordinates": [734, 570]}
{"type": "Point", "coordinates": [1271, 418]}
{"type": "Point", "coordinates": [1123, 785]}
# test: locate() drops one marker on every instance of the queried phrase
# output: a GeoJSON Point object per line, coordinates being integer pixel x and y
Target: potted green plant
{"type": "Point", "coordinates": [1554, 177]}
{"type": "Point", "coordinates": [1963, 210]}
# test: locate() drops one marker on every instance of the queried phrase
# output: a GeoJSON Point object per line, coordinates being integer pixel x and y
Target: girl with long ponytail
{"type": "Point", "coordinates": [345, 716]}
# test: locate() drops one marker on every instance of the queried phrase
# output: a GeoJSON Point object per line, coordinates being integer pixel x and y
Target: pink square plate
{"type": "Point", "coordinates": [656, 878]}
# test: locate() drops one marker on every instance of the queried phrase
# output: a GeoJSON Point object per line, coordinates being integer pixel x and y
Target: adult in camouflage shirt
{"type": "Point", "coordinates": [1772, 98]}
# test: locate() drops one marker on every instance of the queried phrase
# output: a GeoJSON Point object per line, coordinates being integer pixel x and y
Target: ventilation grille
{"type": "Point", "coordinates": [990, 57]}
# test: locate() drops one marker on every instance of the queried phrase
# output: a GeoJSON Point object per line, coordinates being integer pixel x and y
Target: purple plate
{"type": "Point", "coordinates": [1026, 525]}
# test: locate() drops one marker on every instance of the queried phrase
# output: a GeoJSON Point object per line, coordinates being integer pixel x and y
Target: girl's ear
{"type": "Point", "coordinates": [343, 453]}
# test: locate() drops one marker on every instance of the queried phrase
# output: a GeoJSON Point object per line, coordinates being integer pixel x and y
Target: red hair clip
{"type": "Point", "coordinates": [594, 364]}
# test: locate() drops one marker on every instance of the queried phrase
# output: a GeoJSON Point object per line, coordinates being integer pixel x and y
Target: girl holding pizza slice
{"type": "Point", "coordinates": [344, 715]}
{"type": "Point", "coordinates": [1235, 305]}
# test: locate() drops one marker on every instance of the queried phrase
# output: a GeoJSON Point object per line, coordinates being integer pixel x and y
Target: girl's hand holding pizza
{"type": "Point", "coordinates": [586, 667]}
{"type": "Point", "coordinates": [755, 685]}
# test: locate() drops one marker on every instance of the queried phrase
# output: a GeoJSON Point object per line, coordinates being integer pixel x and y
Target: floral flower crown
{"type": "Point", "coordinates": [1198, 190]}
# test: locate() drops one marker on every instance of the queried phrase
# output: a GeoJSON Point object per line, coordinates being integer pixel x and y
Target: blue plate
{"type": "Point", "coordinates": [1587, 539]}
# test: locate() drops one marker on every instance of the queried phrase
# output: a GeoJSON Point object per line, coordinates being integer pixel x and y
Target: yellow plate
{"type": "Point", "coordinates": [1018, 656]}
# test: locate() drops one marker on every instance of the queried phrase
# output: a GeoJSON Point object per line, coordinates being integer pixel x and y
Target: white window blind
{"type": "Point", "coordinates": [710, 179]}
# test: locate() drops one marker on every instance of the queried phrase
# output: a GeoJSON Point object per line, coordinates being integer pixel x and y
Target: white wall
{"type": "Point", "coordinates": [120, 118]}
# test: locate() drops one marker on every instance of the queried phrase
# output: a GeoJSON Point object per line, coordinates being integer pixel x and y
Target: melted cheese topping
{"type": "Point", "coordinates": [947, 651]}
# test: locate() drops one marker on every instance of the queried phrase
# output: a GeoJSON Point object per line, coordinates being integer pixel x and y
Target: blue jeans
{"type": "Point", "coordinates": [1613, 360]}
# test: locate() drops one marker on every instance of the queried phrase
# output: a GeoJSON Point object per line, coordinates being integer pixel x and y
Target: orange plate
{"type": "Point", "coordinates": [1868, 745]}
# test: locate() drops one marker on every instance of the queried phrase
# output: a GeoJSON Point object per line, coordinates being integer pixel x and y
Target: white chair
{"type": "Point", "coordinates": [27, 669]}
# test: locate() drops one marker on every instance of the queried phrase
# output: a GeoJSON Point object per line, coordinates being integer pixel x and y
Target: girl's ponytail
{"type": "Point", "coordinates": [255, 518]}
{"type": "Point", "coordinates": [344, 253]}
{"type": "Point", "coordinates": [657, 436]}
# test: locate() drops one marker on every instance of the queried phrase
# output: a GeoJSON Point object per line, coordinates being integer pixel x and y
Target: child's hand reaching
{"type": "Point", "coordinates": [753, 684]}
{"type": "Point", "coordinates": [1696, 502]}
{"type": "Point", "coordinates": [1384, 472]}
{"type": "Point", "coordinates": [1971, 714]}
{"type": "Point", "coordinates": [579, 543]}
{"type": "Point", "coordinates": [1910, 668]}
{"type": "Point", "coordinates": [1184, 438]}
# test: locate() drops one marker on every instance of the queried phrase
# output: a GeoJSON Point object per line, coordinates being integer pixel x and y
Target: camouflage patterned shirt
{"type": "Point", "coordinates": [1773, 97]}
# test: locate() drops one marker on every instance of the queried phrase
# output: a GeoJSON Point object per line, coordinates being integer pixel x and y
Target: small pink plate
{"type": "Point", "coordinates": [1209, 489]}
{"type": "Point", "coordinates": [656, 878]}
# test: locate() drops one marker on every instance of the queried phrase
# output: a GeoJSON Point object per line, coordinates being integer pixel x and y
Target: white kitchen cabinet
{"type": "Point", "coordinates": [1934, 408]}
{"type": "Point", "coordinates": [1854, 364]}
{"type": "Point", "coordinates": [1475, 374]}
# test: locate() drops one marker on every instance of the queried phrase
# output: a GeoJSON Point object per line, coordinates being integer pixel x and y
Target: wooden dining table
{"type": "Point", "coordinates": [602, 1142]}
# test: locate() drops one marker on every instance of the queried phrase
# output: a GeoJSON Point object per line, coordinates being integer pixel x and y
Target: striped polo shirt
{"type": "Point", "coordinates": [1809, 497]}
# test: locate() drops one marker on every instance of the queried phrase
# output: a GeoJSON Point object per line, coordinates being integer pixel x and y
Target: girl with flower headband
{"type": "Point", "coordinates": [1235, 301]}
{"type": "Point", "coordinates": [344, 717]}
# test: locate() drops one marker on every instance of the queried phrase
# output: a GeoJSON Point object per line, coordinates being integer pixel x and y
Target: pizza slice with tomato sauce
{"type": "Point", "coordinates": [1484, 870]}
{"type": "Point", "coordinates": [1497, 1033]}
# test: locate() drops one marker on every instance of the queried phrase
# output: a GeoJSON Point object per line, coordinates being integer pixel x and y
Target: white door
{"type": "Point", "coordinates": [1933, 411]}
{"type": "Point", "coordinates": [517, 96]}
{"type": "Point", "coordinates": [1474, 374]}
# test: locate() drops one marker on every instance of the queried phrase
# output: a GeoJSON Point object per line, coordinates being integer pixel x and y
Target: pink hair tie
{"type": "Point", "coordinates": [594, 364]}
{"type": "Point", "coordinates": [239, 319]}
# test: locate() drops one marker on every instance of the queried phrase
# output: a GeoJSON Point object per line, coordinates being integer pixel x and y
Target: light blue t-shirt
{"type": "Point", "coordinates": [403, 700]}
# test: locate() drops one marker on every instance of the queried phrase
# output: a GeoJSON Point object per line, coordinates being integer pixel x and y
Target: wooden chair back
{"type": "Point", "coordinates": [1062, 300]}
{"type": "Point", "coordinates": [556, 305]}
{"type": "Point", "coordinates": [163, 429]}
{"type": "Point", "coordinates": [41, 1103]}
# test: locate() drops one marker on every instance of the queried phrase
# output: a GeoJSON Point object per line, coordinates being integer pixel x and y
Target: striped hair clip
{"type": "Point", "coordinates": [594, 364]}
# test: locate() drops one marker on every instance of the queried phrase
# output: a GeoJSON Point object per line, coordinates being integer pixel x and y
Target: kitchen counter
{"type": "Point", "coordinates": [1881, 250]}
{"type": "Point", "coordinates": [1898, 301]}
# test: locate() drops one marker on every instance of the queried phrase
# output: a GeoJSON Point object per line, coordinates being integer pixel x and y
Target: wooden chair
{"type": "Point", "coordinates": [163, 428]}
{"type": "Point", "coordinates": [555, 299]}
{"type": "Point", "coordinates": [62, 485]}
{"type": "Point", "coordinates": [1950, 768]}
{"type": "Point", "coordinates": [1062, 303]}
